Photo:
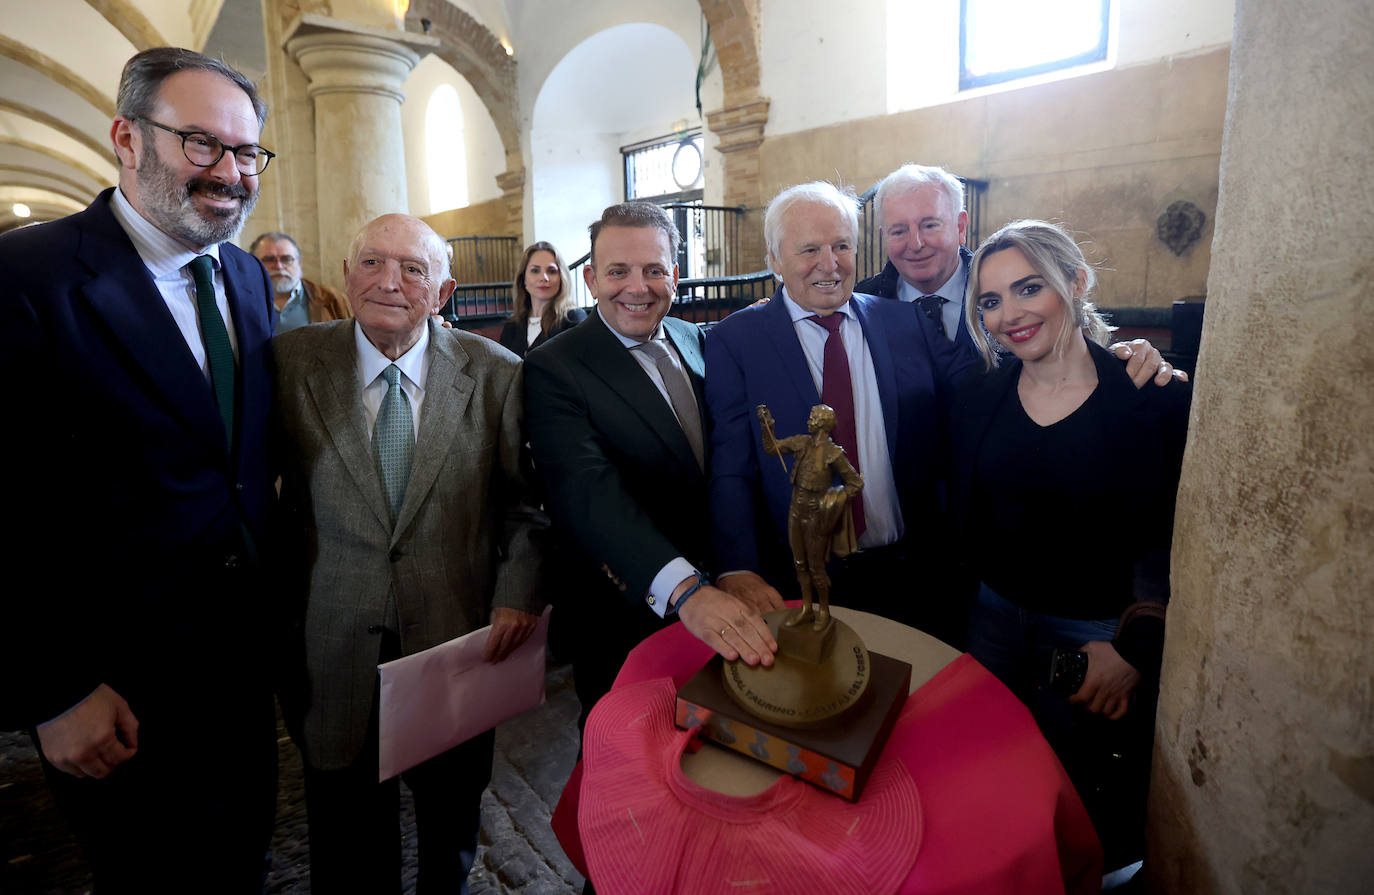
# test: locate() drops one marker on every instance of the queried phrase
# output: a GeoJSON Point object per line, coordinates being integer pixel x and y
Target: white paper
{"type": "Point", "coordinates": [433, 700]}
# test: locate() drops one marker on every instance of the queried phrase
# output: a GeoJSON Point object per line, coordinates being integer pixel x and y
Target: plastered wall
{"type": "Point", "coordinates": [479, 219]}
{"type": "Point", "coordinates": [1105, 153]}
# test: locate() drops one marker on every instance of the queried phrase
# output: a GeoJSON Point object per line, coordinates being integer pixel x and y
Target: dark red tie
{"type": "Point", "coordinates": [837, 390]}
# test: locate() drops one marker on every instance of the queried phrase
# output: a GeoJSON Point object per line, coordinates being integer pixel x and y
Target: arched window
{"type": "Point", "coordinates": [446, 159]}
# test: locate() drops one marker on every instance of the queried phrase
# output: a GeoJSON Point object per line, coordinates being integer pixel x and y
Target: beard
{"type": "Point", "coordinates": [170, 204]}
{"type": "Point", "coordinates": [283, 284]}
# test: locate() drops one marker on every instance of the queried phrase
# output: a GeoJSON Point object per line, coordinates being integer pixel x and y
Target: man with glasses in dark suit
{"type": "Point", "coordinates": [139, 340]}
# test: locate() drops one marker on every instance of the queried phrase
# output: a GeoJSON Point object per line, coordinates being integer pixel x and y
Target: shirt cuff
{"type": "Point", "coordinates": [665, 582]}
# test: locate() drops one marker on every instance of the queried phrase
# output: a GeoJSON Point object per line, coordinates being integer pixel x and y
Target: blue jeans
{"type": "Point", "coordinates": [1015, 643]}
{"type": "Point", "coordinates": [1108, 761]}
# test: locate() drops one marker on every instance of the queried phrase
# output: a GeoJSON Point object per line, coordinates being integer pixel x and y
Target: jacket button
{"type": "Point", "coordinates": [395, 554]}
{"type": "Point", "coordinates": [238, 486]}
{"type": "Point", "coordinates": [374, 629]}
{"type": "Point", "coordinates": [231, 561]}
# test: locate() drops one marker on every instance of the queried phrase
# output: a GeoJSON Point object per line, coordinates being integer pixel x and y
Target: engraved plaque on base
{"type": "Point", "coordinates": [815, 676]}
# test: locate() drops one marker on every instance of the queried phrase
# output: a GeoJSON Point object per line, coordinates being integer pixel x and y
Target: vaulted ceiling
{"type": "Point", "coordinates": [59, 70]}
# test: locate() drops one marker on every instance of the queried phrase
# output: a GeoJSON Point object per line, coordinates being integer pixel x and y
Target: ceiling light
{"type": "Point", "coordinates": [21, 210]}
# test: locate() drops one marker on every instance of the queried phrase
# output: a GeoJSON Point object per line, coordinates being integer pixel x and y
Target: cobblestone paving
{"type": "Point", "coordinates": [517, 853]}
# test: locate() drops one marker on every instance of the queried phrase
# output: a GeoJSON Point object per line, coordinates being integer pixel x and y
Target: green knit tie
{"type": "Point", "coordinates": [216, 337]}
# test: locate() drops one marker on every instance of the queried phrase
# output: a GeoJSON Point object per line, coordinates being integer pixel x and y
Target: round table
{"type": "Point", "coordinates": [998, 811]}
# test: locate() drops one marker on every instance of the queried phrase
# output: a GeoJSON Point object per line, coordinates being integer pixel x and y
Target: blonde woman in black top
{"type": "Point", "coordinates": [1064, 481]}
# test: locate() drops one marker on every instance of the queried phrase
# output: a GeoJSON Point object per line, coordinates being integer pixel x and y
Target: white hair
{"type": "Point", "coordinates": [909, 178]}
{"type": "Point", "coordinates": [818, 192]}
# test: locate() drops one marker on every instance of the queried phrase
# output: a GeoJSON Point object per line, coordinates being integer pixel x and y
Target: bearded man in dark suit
{"type": "Point", "coordinates": [137, 339]}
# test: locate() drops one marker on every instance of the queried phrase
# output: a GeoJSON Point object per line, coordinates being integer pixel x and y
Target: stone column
{"type": "Point", "coordinates": [355, 85]}
{"type": "Point", "coordinates": [740, 132]}
{"type": "Point", "coordinates": [1264, 761]}
{"type": "Point", "coordinates": [512, 184]}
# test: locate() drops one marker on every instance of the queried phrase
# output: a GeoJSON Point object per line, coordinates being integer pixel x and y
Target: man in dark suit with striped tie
{"type": "Point", "coordinates": [615, 412]}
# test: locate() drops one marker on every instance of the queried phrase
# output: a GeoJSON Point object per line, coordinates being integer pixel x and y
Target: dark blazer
{"type": "Point", "coordinates": [624, 490]}
{"type": "Point", "coordinates": [753, 357]}
{"type": "Point", "coordinates": [463, 541]}
{"type": "Point", "coordinates": [131, 553]}
{"type": "Point", "coordinates": [886, 283]}
{"type": "Point", "coordinates": [1146, 430]}
{"type": "Point", "coordinates": [513, 334]}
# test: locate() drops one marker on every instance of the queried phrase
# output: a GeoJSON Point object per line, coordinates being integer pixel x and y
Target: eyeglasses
{"type": "Point", "coordinates": [278, 259]}
{"type": "Point", "coordinates": [205, 150]}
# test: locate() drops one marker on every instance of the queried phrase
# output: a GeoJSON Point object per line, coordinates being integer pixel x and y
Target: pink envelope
{"type": "Point", "coordinates": [433, 700]}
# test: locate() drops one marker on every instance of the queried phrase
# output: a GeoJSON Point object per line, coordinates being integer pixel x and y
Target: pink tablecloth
{"type": "Point", "coordinates": [999, 813]}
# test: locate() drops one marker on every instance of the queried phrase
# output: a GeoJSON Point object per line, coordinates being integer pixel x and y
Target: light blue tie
{"type": "Point", "coordinates": [393, 440]}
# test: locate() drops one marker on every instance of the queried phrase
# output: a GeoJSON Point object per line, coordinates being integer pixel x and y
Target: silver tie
{"type": "Point", "coordinates": [679, 396]}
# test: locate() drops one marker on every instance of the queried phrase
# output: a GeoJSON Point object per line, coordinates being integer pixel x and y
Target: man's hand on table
{"type": "Point", "coordinates": [727, 624]}
{"type": "Point", "coordinates": [752, 589]}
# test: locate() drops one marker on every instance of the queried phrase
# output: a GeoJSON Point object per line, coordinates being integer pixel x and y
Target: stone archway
{"type": "Point", "coordinates": [476, 54]}
{"type": "Point", "coordinates": [59, 73]}
{"type": "Point", "coordinates": [130, 21]}
{"type": "Point", "coordinates": [739, 123]}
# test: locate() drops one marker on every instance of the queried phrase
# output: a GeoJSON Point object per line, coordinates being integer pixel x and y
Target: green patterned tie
{"type": "Point", "coordinates": [393, 440]}
{"type": "Point", "coordinates": [216, 337]}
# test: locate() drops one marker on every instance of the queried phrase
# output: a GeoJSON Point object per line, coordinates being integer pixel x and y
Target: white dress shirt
{"type": "Point", "coordinates": [166, 260]}
{"type": "Point", "coordinates": [953, 289]}
{"type": "Point", "coordinates": [414, 365]}
{"type": "Point", "coordinates": [882, 514]}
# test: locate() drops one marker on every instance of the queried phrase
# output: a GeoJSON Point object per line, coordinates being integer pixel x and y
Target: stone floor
{"type": "Point", "coordinates": [517, 853]}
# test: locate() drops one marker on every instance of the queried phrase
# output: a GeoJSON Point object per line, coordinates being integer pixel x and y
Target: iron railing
{"type": "Point", "coordinates": [709, 248]}
{"type": "Point", "coordinates": [699, 300]}
{"type": "Point", "coordinates": [710, 239]}
{"type": "Point", "coordinates": [484, 259]}
{"type": "Point", "coordinates": [708, 259]}
{"type": "Point", "coordinates": [706, 300]}
{"type": "Point", "coordinates": [483, 302]}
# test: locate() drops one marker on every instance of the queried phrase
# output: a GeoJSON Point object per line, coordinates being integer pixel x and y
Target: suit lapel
{"type": "Point", "coordinates": [610, 361]}
{"type": "Point", "coordinates": [962, 336]}
{"type": "Point", "coordinates": [448, 391]}
{"type": "Point", "coordinates": [252, 322]}
{"type": "Point", "coordinates": [122, 292]}
{"type": "Point", "coordinates": [338, 398]}
{"type": "Point", "coordinates": [792, 367]}
{"type": "Point", "coordinates": [685, 338]}
{"type": "Point", "coordinates": [884, 370]}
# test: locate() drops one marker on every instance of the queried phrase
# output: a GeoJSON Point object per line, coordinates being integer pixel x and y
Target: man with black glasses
{"type": "Point", "coordinates": [299, 301]}
{"type": "Point", "coordinates": [136, 339]}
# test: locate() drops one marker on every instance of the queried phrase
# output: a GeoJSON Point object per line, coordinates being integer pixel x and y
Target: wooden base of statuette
{"type": "Point", "coordinates": [837, 756]}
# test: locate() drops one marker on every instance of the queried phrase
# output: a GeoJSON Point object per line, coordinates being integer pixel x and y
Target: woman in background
{"type": "Point", "coordinates": [543, 301]}
{"type": "Point", "coordinates": [1064, 485]}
